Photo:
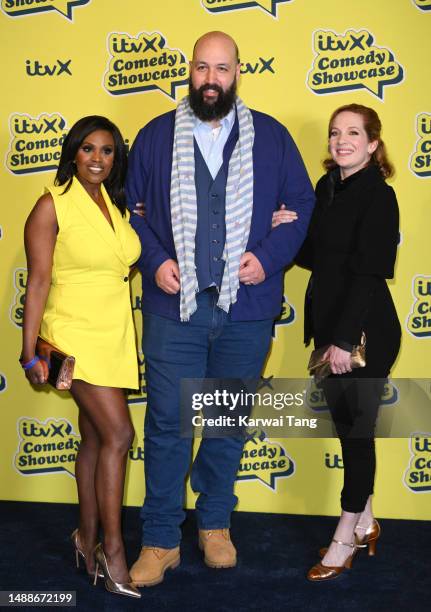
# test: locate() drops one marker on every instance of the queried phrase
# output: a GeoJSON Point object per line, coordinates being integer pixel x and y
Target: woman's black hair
{"type": "Point", "coordinates": [114, 183]}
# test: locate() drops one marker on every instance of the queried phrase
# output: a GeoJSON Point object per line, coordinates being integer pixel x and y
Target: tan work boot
{"type": "Point", "coordinates": [152, 563]}
{"type": "Point", "coordinates": [218, 548]}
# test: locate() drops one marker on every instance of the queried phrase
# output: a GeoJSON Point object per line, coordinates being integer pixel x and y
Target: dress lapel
{"type": "Point", "coordinates": [96, 219]}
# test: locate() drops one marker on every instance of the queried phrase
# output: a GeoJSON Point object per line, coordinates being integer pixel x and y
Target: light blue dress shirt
{"type": "Point", "coordinates": [211, 141]}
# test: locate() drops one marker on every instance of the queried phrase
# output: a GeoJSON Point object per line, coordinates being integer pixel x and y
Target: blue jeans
{"type": "Point", "coordinates": [210, 345]}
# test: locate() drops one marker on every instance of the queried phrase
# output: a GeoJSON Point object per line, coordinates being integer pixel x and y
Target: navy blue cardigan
{"type": "Point", "coordinates": [279, 177]}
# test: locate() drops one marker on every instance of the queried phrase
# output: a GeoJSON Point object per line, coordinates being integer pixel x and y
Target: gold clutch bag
{"type": "Point", "coordinates": [320, 368]}
{"type": "Point", "coordinates": [60, 365]}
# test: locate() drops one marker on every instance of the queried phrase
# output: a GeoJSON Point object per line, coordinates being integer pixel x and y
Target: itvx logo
{"type": "Point", "coordinates": [17, 306]}
{"type": "Point", "coordinates": [258, 66]}
{"type": "Point", "coordinates": [333, 461]}
{"type": "Point", "coordinates": [264, 461]}
{"type": "Point", "coordinates": [136, 453]}
{"type": "Point", "coordinates": [17, 8]}
{"type": "Point", "coordinates": [351, 61]}
{"type": "Point", "coordinates": [35, 142]}
{"type": "Point", "coordinates": [218, 6]}
{"type": "Point", "coordinates": [143, 63]}
{"type": "Point", "coordinates": [138, 396]}
{"type": "Point", "coordinates": [420, 161]}
{"type": "Point", "coordinates": [37, 68]}
{"type": "Point", "coordinates": [419, 319]}
{"type": "Point", "coordinates": [46, 447]}
{"type": "Point", "coordinates": [417, 477]}
{"type": "Point", "coordinates": [424, 5]}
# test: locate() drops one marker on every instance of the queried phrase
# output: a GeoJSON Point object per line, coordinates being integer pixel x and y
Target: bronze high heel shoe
{"type": "Point", "coordinates": [119, 588]}
{"type": "Point", "coordinates": [320, 572]}
{"type": "Point", "coordinates": [79, 553]}
{"type": "Point", "coordinates": [370, 537]}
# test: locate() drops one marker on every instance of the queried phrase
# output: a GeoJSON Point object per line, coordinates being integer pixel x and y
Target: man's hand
{"type": "Point", "coordinates": [167, 277]}
{"type": "Point", "coordinates": [250, 270]}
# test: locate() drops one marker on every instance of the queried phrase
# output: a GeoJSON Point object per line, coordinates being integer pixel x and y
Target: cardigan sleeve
{"type": "Point", "coordinates": [373, 260]}
{"type": "Point", "coordinates": [279, 247]}
{"type": "Point", "coordinates": [152, 253]}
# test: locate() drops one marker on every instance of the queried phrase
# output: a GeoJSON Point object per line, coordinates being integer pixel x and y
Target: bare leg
{"type": "Point", "coordinates": [337, 553]}
{"type": "Point", "coordinates": [106, 409]}
{"type": "Point", "coordinates": [85, 469]}
{"type": "Point", "coordinates": [365, 519]}
{"type": "Point", "coordinates": [350, 525]}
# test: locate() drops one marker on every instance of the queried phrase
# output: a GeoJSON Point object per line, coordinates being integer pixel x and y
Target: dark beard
{"type": "Point", "coordinates": [218, 109]}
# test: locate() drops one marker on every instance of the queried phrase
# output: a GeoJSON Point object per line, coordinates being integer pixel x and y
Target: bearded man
{"type": "Point", "coordinates": [211, 174]}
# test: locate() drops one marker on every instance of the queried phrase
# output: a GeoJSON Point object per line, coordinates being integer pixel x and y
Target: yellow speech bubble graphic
{"type": "Point", "coordinates": [143, 63]}
{"type": "Point", "coordinates": [420, 160]}
{"type": "Point", "coordinates": [18, 8]}
{"type": "Point", "coordinates": [423, 5]}
{"type": "Point", "coordinates": [3, 383]}
{"type": "Point", "coordinates": [348, 61]}
{"type": "Point", "coordinates": [417, 476]}
{"type": "Point", "coordinates": [287, 316]}
{"type": "Point", "coordinates": [419, 318]}
{"type": "Point", "coordinates": [17, 307]}
{"type": "Point", "coordinates": [316, 401]}
{"type": "Point", "coordinates": [220, 6]}
{"type": "Point", "coordinates": [390, 394]}
{"type": "Point", "coordinates": [264, 461]}
{"type": "Point", "coordinates": [36, 142]}
{"type": "Point", "coordinates": [46, 447]}
{"type": "Point", "coordinates": [315, 398]}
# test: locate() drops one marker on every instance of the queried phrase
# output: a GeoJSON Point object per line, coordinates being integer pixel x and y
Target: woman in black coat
{"type": "Point", "coordinates": [351, 249]}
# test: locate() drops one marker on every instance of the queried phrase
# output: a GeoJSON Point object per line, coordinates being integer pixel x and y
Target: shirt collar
{"type": "Point", "coordinates": [227, 122]}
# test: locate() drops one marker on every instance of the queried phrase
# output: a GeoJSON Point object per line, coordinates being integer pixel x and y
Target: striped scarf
{"type": "Point", "coordinates": [239, 206]}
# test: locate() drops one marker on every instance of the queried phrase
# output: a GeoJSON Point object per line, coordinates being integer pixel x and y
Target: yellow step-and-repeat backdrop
{"type": "Point", "coordinates": [301, 59]}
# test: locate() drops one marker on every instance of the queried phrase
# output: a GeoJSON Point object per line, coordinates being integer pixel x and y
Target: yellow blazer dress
{"type": "Point", "coordinates": [88, 312]}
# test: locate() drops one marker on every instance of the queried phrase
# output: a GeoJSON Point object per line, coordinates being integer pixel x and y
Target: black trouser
{"type": "Point", "coordinates": [354, 404]}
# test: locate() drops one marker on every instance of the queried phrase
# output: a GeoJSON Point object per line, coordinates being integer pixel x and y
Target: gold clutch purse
{"type": "Point", "coordinates": [320, 368]}
{"type": "Point", "coordinates": [60, 365]}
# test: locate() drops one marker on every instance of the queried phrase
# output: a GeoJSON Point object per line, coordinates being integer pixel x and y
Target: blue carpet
{"type": "Point", "coordinates": [275, 551]}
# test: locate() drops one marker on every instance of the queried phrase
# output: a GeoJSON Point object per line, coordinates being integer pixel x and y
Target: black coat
{"type": "Point", "coordinates": [351, 249]}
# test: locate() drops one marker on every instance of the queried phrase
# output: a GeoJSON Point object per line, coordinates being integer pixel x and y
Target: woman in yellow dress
{"type": "Point", "coordinates": [80, 246]}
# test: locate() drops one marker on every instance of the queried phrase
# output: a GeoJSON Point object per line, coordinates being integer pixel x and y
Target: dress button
{"type": "Point", "coordinates": [214, 226]}
{"type": "Point", "coordinates": [126, 278]}
{"type": "Point", "coordinates": [215, 241]}
{"type": "Point", "coordinates": [214, 195]}
{"type": "Point", "coordinates": [215, 259]}
{"type": "Point", "coordinates": [215, 212]}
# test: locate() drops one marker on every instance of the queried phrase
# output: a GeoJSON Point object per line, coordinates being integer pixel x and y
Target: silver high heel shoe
{"type": "Point", "coordinates": [119, 588]}
{"type": "Point", "coordinates": [79, 553]}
